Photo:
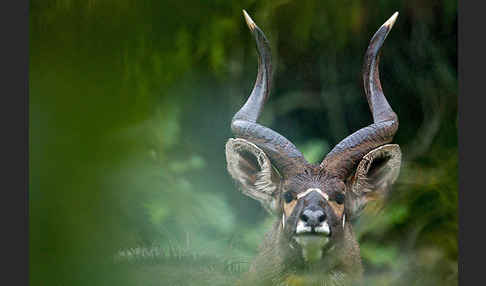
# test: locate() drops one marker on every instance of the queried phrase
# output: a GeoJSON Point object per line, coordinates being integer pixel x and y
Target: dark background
{"type": "Point", "coordinates": [130, 105]}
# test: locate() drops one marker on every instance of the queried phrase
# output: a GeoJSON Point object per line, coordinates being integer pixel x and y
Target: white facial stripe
{"type": "Point", "coordinates": [301, 195]}
{"type": "Point", "coordinates": [344, 219]}
{"type": "Point", "coordinates": [283, 220]}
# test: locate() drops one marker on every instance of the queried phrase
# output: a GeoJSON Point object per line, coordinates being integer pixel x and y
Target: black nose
{"type": "Point", "coordinates": [313, 218]}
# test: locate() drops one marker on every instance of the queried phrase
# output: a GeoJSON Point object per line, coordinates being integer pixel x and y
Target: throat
{"type": "Point", "coordinates": [312, 247]}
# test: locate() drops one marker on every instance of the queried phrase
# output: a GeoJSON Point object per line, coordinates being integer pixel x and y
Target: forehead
{"type": "Point", "coordinates": [304, 182]}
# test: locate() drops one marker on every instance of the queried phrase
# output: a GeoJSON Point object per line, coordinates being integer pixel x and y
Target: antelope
{"type": "Point", "coordinates": [312, 240]}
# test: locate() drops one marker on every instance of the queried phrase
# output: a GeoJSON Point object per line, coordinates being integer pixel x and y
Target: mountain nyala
{"type": "Point", "coordinates": [312, 241]}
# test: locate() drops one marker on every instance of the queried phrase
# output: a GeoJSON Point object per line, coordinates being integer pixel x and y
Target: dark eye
{"type": "Point", "coordinates": [339, 198]}
{"type": "Point", "coordinates": [288, 197]}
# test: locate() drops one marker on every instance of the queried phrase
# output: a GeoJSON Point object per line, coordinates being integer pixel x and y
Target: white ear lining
{"type": "Point", "coordinates": [261, 188]}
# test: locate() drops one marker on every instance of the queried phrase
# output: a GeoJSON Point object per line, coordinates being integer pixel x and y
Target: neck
{"type": "Point", "coordinates": [280, 257]}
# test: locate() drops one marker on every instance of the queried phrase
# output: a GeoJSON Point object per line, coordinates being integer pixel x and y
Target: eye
{"type": "Point", "coordinates": [339, 198]}
{"type": "Point", "coordinates": [288, 197]}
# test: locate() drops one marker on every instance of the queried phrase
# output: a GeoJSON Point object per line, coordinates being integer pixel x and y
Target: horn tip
{"type": "Point", "coordinates": [389, 23]}
{"type": "Point", "coordinates": [249, 21]}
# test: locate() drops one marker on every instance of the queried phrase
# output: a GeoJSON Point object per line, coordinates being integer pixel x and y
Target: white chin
{"type": "Point", "coordinates": [312, 246]}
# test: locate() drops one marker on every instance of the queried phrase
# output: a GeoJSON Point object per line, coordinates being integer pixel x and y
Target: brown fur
{"type": "Point", "coordinates": [360, 167]}
{"type": "Point", "coordinates": [278, 264]}
{"type": "Point", "coordinates": [280, 260]}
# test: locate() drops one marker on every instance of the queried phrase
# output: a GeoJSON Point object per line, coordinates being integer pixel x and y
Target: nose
{"type": "Point", "coordinates": [313, 218]}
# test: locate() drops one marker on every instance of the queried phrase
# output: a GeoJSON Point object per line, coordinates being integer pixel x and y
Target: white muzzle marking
{"type": "Point", "coordinates": [323, 228]}
{"type": "Point", "coordinates": [302, 228]}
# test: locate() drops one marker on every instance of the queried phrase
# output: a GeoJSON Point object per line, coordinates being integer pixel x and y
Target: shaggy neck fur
{"type": "Point", "coordinates": [280, 261]}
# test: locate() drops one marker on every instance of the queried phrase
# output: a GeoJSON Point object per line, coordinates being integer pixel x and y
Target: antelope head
{"type": "Point", "coordinates": [315, 202]}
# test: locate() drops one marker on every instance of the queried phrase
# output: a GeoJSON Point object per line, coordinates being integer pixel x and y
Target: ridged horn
{"type": "Point", "coordinates": [347, 153]}
{"type": "Point", "coordinates": [283, 154]}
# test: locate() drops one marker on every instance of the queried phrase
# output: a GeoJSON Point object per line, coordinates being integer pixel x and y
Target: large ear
{"type": "Point", "coordinates": [253, 171]}
{"type": "Point", "coordinates": [374, 176]}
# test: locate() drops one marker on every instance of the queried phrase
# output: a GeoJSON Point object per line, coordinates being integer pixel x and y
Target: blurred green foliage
{"type": "Point", "coordinates": [130, 104]}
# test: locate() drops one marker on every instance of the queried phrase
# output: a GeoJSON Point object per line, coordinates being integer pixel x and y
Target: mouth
{"type": "Point", "coordinates": [312, 240]}
{"type": "Point", "coordinates": [320, 230]}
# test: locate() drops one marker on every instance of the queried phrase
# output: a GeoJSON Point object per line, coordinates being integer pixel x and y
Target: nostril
{"type": "Point", "coordinates": [304, 217]}
{"type": "Point", "coordinates": [322, 217]}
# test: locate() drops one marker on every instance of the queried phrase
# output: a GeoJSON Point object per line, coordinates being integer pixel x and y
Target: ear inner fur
{"type": "Point", "coordinates": [373, 186]}
{"type": "Point", "coordinates": [261, 185]}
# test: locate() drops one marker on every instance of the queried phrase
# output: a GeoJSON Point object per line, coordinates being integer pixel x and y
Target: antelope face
{"type": "Point", "coordinates": [313, 214]}
{"type": "Point", "coordinates": [314, 201]}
